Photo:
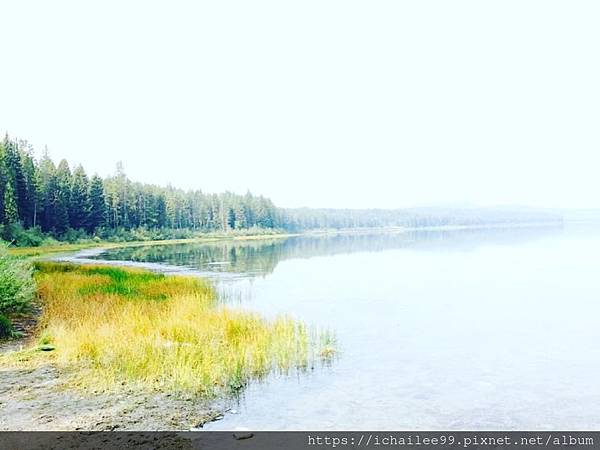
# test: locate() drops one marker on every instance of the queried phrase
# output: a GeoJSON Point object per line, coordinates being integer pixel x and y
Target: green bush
{"type": "Point", "coordinates": [75, 236]}
{"type": "Point", "coordinates": [17, 286]}
{"type": "Point", "coordinates": [6, 329]}
{"type": "Point", "coordinates": [19, 236]}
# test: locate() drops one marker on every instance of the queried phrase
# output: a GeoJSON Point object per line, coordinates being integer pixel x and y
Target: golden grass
{"type": "Point", "coordinates": [115, 326]}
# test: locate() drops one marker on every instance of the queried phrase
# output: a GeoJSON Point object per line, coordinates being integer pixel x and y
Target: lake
{"type": "Point", "coordinates": [465, 329]}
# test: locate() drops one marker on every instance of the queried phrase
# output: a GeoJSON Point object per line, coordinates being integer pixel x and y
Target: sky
{"type": "Point", "coordinates": [320, 103]}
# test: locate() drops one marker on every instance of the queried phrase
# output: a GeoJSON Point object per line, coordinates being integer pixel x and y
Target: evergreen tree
{"type": "Point", "coordinates": [41, 194]}
{"type": "Point", "coordinates": [47, 194]}
{"type": "Point", "coordinates": [11, 214]}
{"type": "Point", "coordinates": [31, 179]}
{"type": "Point", "coordinates": [231, 218]}
{"type": "Point", "coordinates": [78, 207]}
{"type": "Point", "coordinates": [240, 217]}
{"type": "Point", "coordinates": [122, 185]}
{"type": "Point", "coordinates": [62, 197]}
{"type": "Point", "coordinates": [96, 208]}
{"type": "Point", "coordinates": [161, 211]}
{"type": "Point", "coordinates": [16, 177]}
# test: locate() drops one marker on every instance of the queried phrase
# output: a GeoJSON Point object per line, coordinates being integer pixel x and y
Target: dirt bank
{"type": "Point", "coordinates": [38, 399]}
{"type": "Point", "coordinates": [42, 397]}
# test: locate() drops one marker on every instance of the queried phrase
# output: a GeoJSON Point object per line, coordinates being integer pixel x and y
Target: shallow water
{"type": "Point", "coordinates": [469, 329]}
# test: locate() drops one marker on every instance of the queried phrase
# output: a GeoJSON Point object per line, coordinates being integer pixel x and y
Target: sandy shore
{"type": "Point", "coordinates": [38, 399]}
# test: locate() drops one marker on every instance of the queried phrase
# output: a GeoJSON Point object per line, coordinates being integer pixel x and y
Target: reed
{"type": "Point", "coordinates": [116, 326]}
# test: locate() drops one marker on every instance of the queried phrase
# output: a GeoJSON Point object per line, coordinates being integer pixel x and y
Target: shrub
{"type": "Point", "coordinates": [21, 237]}
{"type": "Point", "coordinates": [6, 329]}
{"type": "Point", "coordinates": [74, 236]}
{"type": "Point", "coordinates": [17, 286]}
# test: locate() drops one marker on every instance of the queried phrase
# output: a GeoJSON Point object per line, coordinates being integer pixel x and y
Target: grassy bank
{"type": "Point", "coordinates": [46, 250]}
{"type": "Point", "coordinates": [110, 326]}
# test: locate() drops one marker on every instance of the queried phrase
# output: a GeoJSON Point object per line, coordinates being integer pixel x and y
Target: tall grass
{"type": "Point", "coordinates": [118, 325]}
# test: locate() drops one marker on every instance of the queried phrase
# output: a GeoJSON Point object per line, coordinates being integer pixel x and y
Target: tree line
{"type": "Point", "coordinates": [418, 217]}
{"type": "Point", "coordinates": [58, 201]}
{"type": "Point", "coordinates": [40, 199]}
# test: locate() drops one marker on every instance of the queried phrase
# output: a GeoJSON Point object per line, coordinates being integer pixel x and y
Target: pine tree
{"type": "Point", "coordinates": [40, 194]}
{"type": "Point", "coordinates": [16, 177]}
{"type": "Point", "coordinates": [78, 205]}
{"type": "Point", "coordinates": [97, 205]}
{"type": "Point", "coordinates": [62, 197]}
{"type": "Point", "coordinates": [161, 211]}
{"type": "Point", "coordinates": [240, 217]}
{"type": "Point", "coordinates": [31, 176]}
{"type": "Point", "coordinates": [11, 213]}
{"type": "Point", "coordinates": [231, 219]}
{"type": "Point", "coordinates": [122, 184]}
{"type": "Point", "coordinates": [47, 187]}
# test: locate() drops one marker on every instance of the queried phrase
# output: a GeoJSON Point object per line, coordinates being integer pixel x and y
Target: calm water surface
{"type": "Point", "coordinates": [495, 329]}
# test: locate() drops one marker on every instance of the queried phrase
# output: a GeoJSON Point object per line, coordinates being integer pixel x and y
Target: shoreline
{"type": "Point", "coordinates": [39, 398]}
{"type": "Point", "coordinates": [66, 248]}
{"type": "Point", "coordinates": [41, 394]}
{"type": "Point", "coordinates": [82, 255]}
{"type": "Point", "coordinates": [43, 251]}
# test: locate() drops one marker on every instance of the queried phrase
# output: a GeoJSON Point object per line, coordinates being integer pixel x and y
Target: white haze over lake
{"type": "Point", "coordinates": [316, 103]}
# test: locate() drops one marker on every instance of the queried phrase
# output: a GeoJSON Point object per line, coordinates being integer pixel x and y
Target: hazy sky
{"type": "Point", "coordinates": [316, 103]}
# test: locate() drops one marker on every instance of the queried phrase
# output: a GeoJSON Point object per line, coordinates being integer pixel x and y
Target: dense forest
{"type": "Point", "coordinates": [40, 200]}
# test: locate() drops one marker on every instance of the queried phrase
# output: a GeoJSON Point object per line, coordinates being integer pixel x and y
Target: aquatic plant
{"type": "Point", "coordinates": [115, 325]}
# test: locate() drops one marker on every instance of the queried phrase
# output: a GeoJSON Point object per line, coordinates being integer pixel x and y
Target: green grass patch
{"type": "Point", "coordinates": [120, 282]}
